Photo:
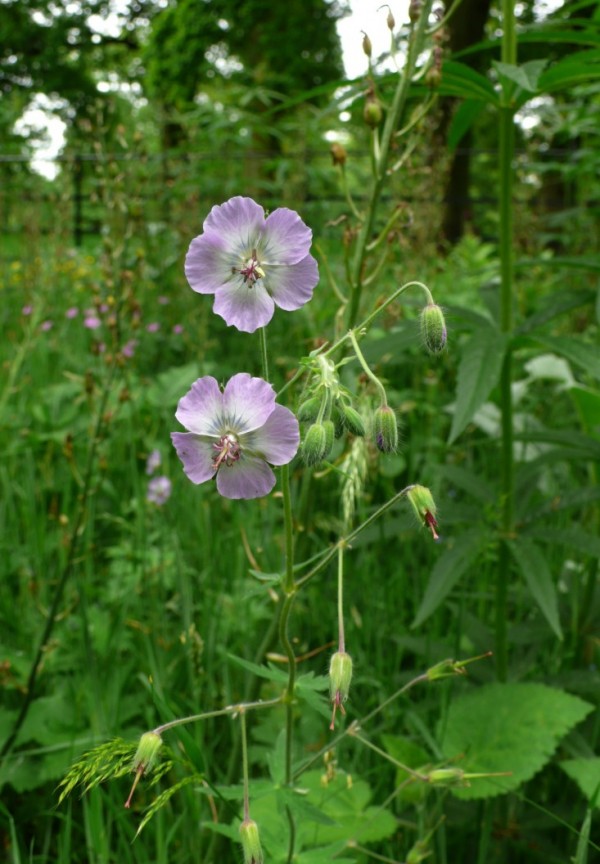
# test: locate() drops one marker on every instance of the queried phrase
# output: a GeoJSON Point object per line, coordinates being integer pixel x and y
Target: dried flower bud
{"type": "Point", "coordinates": [414, 10]}
{"type": "Point", "coordinates": [385, 427]}
{"type": "Point", "coordinates": [338, 154]}
{"type": "Point", "coordinates": [421, 500]}
{"type": "Point", "coordinates": [433, 76]}
{"type": "Point", "coordinates": [352, 420]}
{"type": "Point", "coordinates": [340, 676]}
{"type": "Point", "coordinates": [433, 328]}
{"type": "Point", "coordinates": [390, 21]}
{"type": "Point", "coordinates": [250, 839]}
{"type": "Point", "coordinates": [373, 113]}
{"type": "Point", "coordinates": [366, 44]}
{"type": "Point", "coordinates": [309, 411]}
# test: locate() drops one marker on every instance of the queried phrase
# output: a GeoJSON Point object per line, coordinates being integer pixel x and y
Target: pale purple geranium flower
{"type": "Point", "coordinates": [252, 264]}
{"type": "Point", "coordinates": [233, 434]}
{"type": "Point", "coordinates": [159, 490]}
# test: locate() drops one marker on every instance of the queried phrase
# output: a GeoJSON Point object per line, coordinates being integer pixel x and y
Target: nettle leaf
{"type": "Point", "coordinates": [537, 575]}
{"type": "Point", "coordinates": [507, 727]}
{"type": "Point", "coordinates": [461, 80]}
{"type": "Point", "coordinates": [448, 570]}
{"type": "Point", "coordinates": [586, 773]}
{"type": "Point", "coordinates": [478, 374]}
{"type": "Point", "coordinates": [579, 68]}
{"type": "Point", "coordinates": [526, 76]}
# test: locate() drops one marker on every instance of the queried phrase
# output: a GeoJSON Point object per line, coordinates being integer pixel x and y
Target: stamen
{"type": "Point", "coordinates": [252, 271]}
{"type": "Point", "coordinates": [228, 451]}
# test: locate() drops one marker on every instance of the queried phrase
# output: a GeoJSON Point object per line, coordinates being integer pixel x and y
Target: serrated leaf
{"type": "Point", "coordinates": [586, 773]}
{"type": "Point", "coordinates": [300, 806]}
{"type": "Point", "coordinates": [526, 75]}
{"type": "Point", "coordinates": [458, 557]}
{"type": "Point", "coordinates": [478, 374]}
{"type": "Point", "coordinates": [507, 727]}
{"type": "Point", "coordinates": [578, 68]}
{"type": "Point", "coordinates": [535, 571]}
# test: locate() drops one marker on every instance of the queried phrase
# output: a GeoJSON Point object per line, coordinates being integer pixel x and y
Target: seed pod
{"type": "Point", "coordinates": [309, 410]}
{"type": "Point", "coordinates": [386, 429]}
{"type": "Point", "coordinates": [250, 839]}
{"type": "Point", "coordinates": [366, 44]}
{"type": "Point", "coordinates": [353, 421]}
{"type": "Point", "coordinates": [314, 446]}
{"type": "Point", "coordinates": [373, 113]}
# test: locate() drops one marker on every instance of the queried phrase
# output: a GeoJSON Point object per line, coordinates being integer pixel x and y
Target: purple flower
{"type": "Point", "coordinates": [46, 325]}
{"type": "Point", "coordinates": [153, 461]}
{"type": "Point", "coordinates": [27, 310]}
{"type": "Point", "coordinates": [92, 322]}
{"type": "Point", "coordinates": [128, 349]}
{"type": "Point", "coordinates": [233, 434]}
{"type": "Point", "coordinates": [178, 329]}
{"type": "Point", "coordinates": [154, 327]}
{"type": "Point", "coordinates": [252, 264]}
{"type": "Point", "coordinates": [72, 312]}
{"type": "Point", "coordinates": [159, 490]}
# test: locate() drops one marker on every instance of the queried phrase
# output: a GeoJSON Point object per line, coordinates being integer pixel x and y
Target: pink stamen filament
{"type": "Point", "coordinates": [228, 451]}
{"type": "Point", "coordinates": [431, 523]}
{"type": "Point", "coordinates": [252, 271]}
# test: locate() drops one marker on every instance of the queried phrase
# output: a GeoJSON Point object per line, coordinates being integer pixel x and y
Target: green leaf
{"type": "Point", "coordinates": [507, 727]}
{"type": "Point", "coordinates": [588, 405]}
{"type": "Point", "coordinates": [525, 76]}
{"type": "Point", "coordinates": [462, 120]}
{"type": "Point", "coordinates": [575, 537]}
{"type": "Point", "coordinates": [461, 553]}
{"type": "Point", "coordinates": [536, 573]}
{"type": "Point", "coordinates": [586, 773]}
{"type": "Point", "coordinates": [579, 68]}
{"type": "Point", "coordinates": [270, 673]}
{"type": "Point", "coordinates": [410, 790]}
{"type": "Point", "coordinates": [478, 374]}
{"type": "Point", "coordinates": [458, 79]}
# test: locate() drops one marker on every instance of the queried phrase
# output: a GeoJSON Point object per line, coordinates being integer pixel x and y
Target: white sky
{"type": "Point", "coordinates": [367, 15]}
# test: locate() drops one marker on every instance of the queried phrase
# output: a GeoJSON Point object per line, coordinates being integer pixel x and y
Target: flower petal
{"type": "Point", "coordinates": [209, 262]}
{"type": "Point", "coordinates": [277, 440]}
{"type": "Point", "coordinates": [286, 238]}
{"type": "Point", "coordinates": [244, 305]}
{"type": "Point", "coordinates": [239, 221]}
{"type": "Point", "coordinates": [292, 286]}
{"type": "Point", "coordinates": [247, 403]}
{"type": "Point", "coordinates": [196, 455]}
{"type": "Point", "coordinates": [201, 409]}
{"type": "Point", "coordinates": [251, 477]}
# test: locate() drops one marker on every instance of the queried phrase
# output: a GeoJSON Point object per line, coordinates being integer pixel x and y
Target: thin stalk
{"type": "Point", "coordinates": [245, 767]}
{"type": "Point", "coordinates": [240, 708]}
{"type": "Point", "coordinates": [396, 111]}
{"type": "Point", "coordinates": [507, 470]}
{"type": "Point", "coordinates": [290, 589]}
{"type": "Point", "coordinates": [370, 375]}
{"type": "Point", "coordinates": [341, 634]}
{"type": "Point", "coordinates": [262, 334]}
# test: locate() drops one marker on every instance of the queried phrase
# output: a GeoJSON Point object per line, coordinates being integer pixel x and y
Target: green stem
{"type": "Point", "coordinates": [341, 634]}
{"type": "Point", "coordinates": [507, 472]}
{"type": "Point", "coordinates": [289, 588]}
{"type": "Point", "coordinates": [415, 47]}
{"type": "Point", "coordinates": [372, 377]}
{"type": "Point", "coordinates": [245, 767]}
{"type": "Point", "coordinates": [262, 335]}
{"type": "Point", "coordinates": [240, 708]}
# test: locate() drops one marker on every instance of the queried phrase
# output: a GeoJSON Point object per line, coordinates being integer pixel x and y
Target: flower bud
{"type": "Point", "coordinates": [144, 759]}
{"type": "Point", "coordinates": [421, 500]}
{"type": "Point", "coordinates": [390, 21]}
{"type": "Point", "coordinates": [338, 154]}
{"type": "Point", "coordinates": [309, 410]}
{"type": "Point", "coordinates": [329, 437]}
{"type": "Point", "coordinates": [366, 44]}
{"type": "Point", "coordinates": [433, 328]}
{"type": "Point", "coordinates": [316, 443]}
{"type": "Point", "coordinates": [433, 77]}
{"type": "Point", "coordinates": [373, 114]}
{"type": "Point", "coordinates": [340, 676]}
{"type": "Point", "coordinates": [447, 777]}
{"type": "Point", "coordinates": [352, 420]}
{"type": "Point", "coordinates": [414, 10]}
{"type": "Point", "coordinates": [385, 427]}
{"type": "Point", "coordinates": [251, 842]}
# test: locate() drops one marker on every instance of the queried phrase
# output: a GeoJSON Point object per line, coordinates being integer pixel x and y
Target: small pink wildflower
{"type": "Point", "coordinates": [27, 310]}
{"type": "Point", "coordinates": [128, 349]}
{"type": "Point", "coordinates": [92, 322]}
{"type": "Point", "coordinates": [159, 491]}
{"type": "Point", "coordinates": [46, 325]}
{"type": "Point", "coordinates": [72, 312]}
{"type": "Point", "coordinates": [153, 327]}
{"type": "Point", "coordinates": [178, 329]}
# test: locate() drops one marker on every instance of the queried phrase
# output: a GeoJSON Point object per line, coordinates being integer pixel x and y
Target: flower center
{"type": "Point", "coordinates": [252, 271]}
{"type": "Point", "coordinates": [228, 451]}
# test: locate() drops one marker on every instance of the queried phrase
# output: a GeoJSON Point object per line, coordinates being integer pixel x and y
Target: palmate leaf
{"type": "Point", "coordinates": [507, 727]}
{"type": "Point", "coordinates": [535, 571]}
{"type": "Point", "coordinates": [478, 374]}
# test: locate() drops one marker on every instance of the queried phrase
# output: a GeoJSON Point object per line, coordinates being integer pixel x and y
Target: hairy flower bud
{"type": "Point", "coordinates": [144, 759]}
{"type": "Point", "coordinates": [352, 420]}
{"type": "Point", "coordinates": [421, 500]}
{"type": "Point", "coordinates": [433, 328]}
{"type": "Point", "coordinates": [318, 442]}
{"type": "Point", "coordinates": [340, 676]}
{"type": "Point", "coordinates": [447, 777]}
{"type": "Point", "coordinates": [385, 427]}
{"type": "Point", "coordinates": [309, 410]}
{"type": "Point", "coordinates": [373, 114]}
{"type": "Point", "coordinates": [250, 839]}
